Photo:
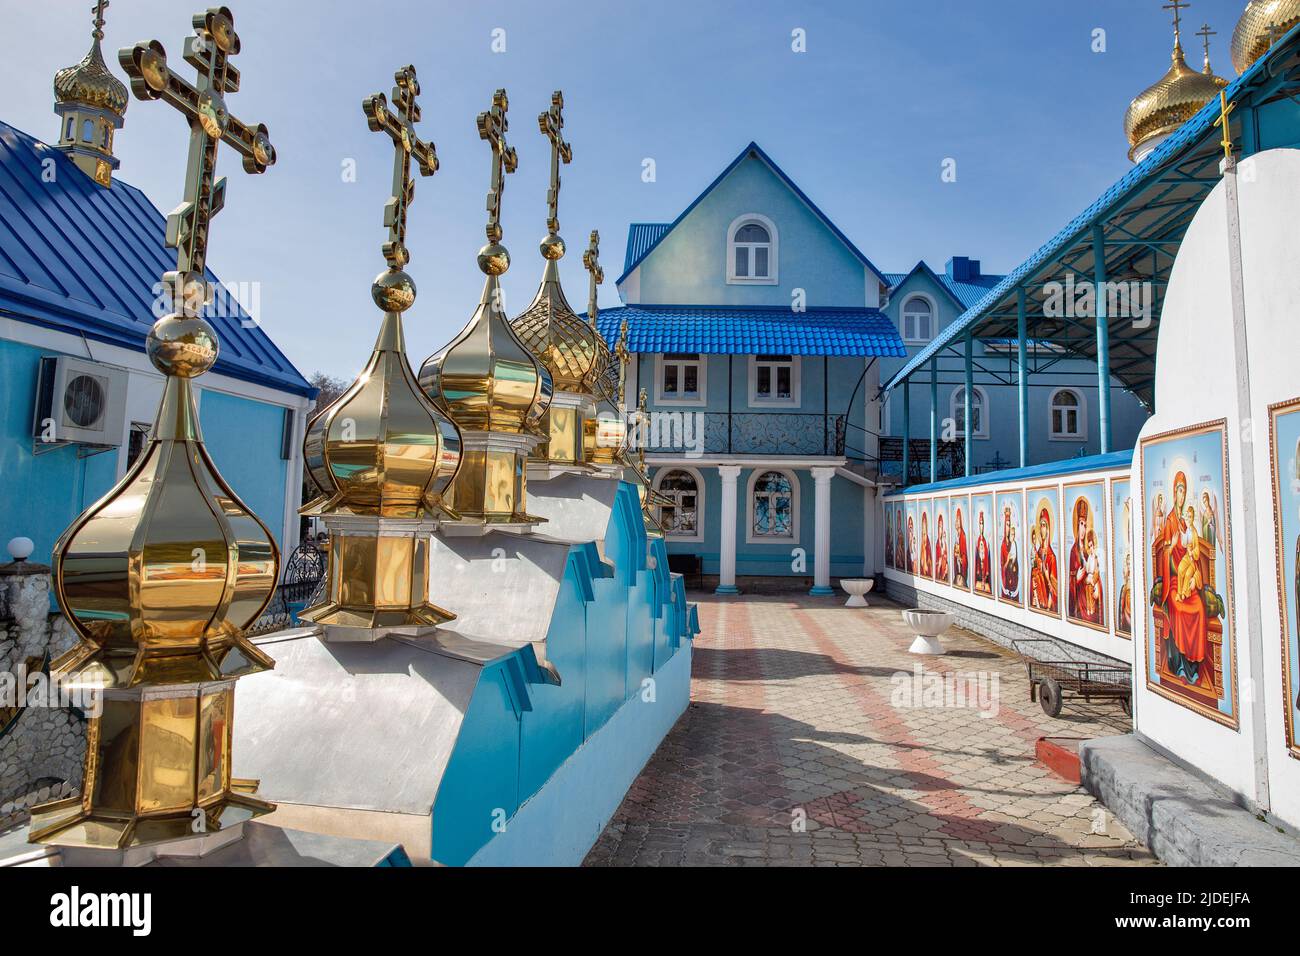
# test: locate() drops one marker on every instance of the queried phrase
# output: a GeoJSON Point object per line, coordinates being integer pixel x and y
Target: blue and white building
{"type": "Point", "coordinates": [762, 337]}
{"type": "Point", "coordinates": [81, 255]}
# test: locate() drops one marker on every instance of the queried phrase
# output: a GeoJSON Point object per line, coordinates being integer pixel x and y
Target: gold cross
{"type": "Point", "coordinates": [623, 356]}
{"type": "Point", "coordinates": [1225, 110]}
{"type": "Point", "coordinates": [591, 262]}
{"type": "Point", "coordinates": [551, 123]}
{"type": "Point", "coordinates": [1205, 33]}
{"type": "Point", "coordinates": [401, 129]}
{"type": "Point", "coordinates": [203, 104]}
{"type": "Point", "coordinates": [492, 126]}
{"type": "Point", "coordinates": [1177, 6]}
{"type": "Point", "coordinates": [98, 10]}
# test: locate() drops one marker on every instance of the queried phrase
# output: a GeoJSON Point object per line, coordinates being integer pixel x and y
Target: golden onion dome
{"type": "Point", "coordinates": [1262, 23]}
{"type": "Point", "coordinates": [1163, 107]}
{"type": "Point", "coordinates": [486, 378]}
{"type": "Point", "coordinates": [162, 575]}
{"type": "Point", "coordinates": [569, 347]}
{"type": "Point", "coordinates": [90, 83]}
{"type": "Point", "coordinates": [382, 448]}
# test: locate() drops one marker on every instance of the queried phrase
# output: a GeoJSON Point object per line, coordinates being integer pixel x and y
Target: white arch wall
{"type": "Point", "coordinates": [1210, 369]}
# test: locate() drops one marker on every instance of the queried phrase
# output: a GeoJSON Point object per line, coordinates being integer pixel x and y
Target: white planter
{"type": "Point", "coordinates": [927, 626]}
{"type": "Point", "coordinates": [856, 588]}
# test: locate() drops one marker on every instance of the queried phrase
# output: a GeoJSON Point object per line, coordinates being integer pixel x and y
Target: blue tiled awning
{"type": "Point", "coordinates": [740, 330]}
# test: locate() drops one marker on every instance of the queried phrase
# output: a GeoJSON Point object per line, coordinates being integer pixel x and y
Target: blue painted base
{"type": "Point", "coordinates": [821, 592]}
{"type": "Point", "coordinates": [726, 589]}
{"type": "Point", "coordinates": [560, 823]}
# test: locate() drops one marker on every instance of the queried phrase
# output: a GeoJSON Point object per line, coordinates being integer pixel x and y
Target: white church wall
{"type": "Point", "coordinates": [1105, 640]}
{"type": "Point", "coordinates": [1270, 209]}
{"type": "Point", "coordinates": [1200, 379]}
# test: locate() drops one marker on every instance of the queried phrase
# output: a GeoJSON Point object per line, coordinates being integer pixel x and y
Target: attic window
{"type": "Point", "coordinates": [751, 251]}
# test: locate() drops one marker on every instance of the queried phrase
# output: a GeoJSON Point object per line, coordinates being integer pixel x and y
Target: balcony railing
{"type": "Point", "coordinates": [746, 433]}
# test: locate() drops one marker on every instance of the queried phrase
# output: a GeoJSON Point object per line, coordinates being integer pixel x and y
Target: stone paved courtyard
{"type": "Point", "coordinates": [793, 752]}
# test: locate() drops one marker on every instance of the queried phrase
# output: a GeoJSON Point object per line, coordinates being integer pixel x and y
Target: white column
{"type": "Point", "coordinates": [822, 538]}
{"type": "Point", "coordinates": [727, 531]}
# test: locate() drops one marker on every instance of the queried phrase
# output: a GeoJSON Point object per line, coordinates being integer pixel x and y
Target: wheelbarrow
{"type": "Point", "coordinates": [1055, 672]}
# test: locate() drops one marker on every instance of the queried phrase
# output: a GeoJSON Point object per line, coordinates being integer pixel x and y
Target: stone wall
{"type": "Point", "coordinates": [42, 748]}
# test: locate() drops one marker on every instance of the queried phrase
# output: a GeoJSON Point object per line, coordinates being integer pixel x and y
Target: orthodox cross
{"type": "Point", "coordinates": [492, 126]}
{"type": "Point", "coordinates": [591, 262]}
{"type": "Point", "coordinates": [1225, 110]}
{"type": "Point", "coordinates": [98, 10]}
{"type": "Point", "coordinates": [1205, 33]}
{"type": "Point", "coordinates": [551, 123]}
{"type": "Point", "coordinates": [622, 355]}
{"type": "Point", "coordinates": [1177, 6]}
{"type": "Point", "coordinates": [203, 105]}
{"type": "Point", "coordinates": [400, 127]}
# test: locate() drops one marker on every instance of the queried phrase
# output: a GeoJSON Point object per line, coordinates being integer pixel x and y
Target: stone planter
{"type": "Point", "coordinates": [856, 589]}
{"type": "Point", "coordinates": [927, 626]}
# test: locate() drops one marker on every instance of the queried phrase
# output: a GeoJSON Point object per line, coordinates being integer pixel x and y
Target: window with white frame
{"type": "Point", "coordinates": [979, 412]}
{"type": "Point", "coordinates": [774, 380]}
{"type": "Point", "coordinates": [773, 507]}
{"type": "Point", "coordinates": [752, 250]}
{"type": "Point", "coordinates": [1067, 416]}
{"type": "Point", "coordinates": [681, 378]}
{"type": "Point", "coordinates": [683, 518]}
{"type": "Point", "coordinates": [918, 319]}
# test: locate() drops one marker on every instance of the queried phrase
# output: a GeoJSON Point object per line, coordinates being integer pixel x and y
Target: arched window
{"type": "Point", "coordinates": [683, 519]}
{"type": "Point", "coordinates": [979, 412]}
{"type": "Point", "coordinates": [1068, 421]}
{"type": "Point", "coordinates": [88, 131]}
{"type": "Point", "coordinates": [751, 250]}
{"type": "Point", "coordinates": [773, 507]}
{"type": "Point", "coordinates": [918, 319]}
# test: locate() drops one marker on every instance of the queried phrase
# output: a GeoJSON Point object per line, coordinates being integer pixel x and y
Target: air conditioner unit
{"type": "Point", "coordinates": [81, 401]}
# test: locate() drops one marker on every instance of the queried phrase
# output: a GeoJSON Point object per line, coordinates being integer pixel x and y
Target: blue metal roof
{"type": "Point", "coordinates": [1051, 469]}
{"type": "Point", "coordinates": [640, 237]}
{"type": "Point", "coordinates": [1194, 135]}
{"type": "Point", "coordinates": [755, 150]}
{"type": "Point", "coordinates": [748, 330]}
{"type": "Point", "coordinates": [83, 259]}
{"type": "Point", "coordinates": [965, 294]}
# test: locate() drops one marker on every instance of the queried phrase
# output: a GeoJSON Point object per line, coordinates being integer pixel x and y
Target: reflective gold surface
{"type": "Point", "coordinates": [161, 576]}
{"type": "Point", "coordinates": [1262, 24]}
{"type": "Point", "coordinates": [488, 380]}
{"type": "Point", "coordinates": [378, 578]}
{"type": "Point", "coordinates": [382, 447]}
{"type": "Point", "coordinates": [1171, 101]}
{"type": "Point", "coordinates": [157, 769]}
{"type": "Point", "coordinates": [492, 486]}
{"type": "Point", "coordinates": [89, 82]}
{"type": "Point", "coordinates": [89, 95]}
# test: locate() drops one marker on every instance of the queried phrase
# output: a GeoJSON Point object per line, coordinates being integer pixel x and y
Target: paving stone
{"type": "Point", "coordinates": [793, 753]}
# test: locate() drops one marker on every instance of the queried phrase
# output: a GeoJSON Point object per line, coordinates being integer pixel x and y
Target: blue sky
{"type": "Point", "coordinates": [863, 121]}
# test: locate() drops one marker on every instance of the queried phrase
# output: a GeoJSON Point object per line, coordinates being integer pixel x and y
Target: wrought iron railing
{"type": "Point", "coordinates": [746, 433]}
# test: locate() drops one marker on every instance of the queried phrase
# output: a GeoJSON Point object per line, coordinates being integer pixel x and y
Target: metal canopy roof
{"type": "Point", "coordinates": [1142, 220]}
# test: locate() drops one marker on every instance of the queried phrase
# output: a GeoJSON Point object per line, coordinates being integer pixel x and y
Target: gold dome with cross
{"type": "Point", "coordinates": [1163, 107]}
